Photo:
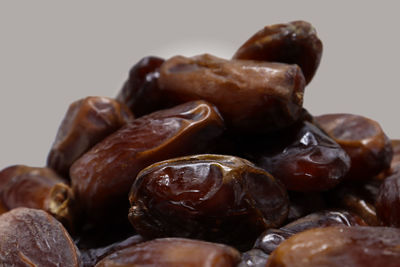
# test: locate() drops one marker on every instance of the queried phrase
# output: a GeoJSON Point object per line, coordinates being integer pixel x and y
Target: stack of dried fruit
{"type": "Point", "coordinates": [213, 162]}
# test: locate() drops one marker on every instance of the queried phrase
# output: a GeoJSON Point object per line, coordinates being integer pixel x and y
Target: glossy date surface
{"type": "Point", "coordinates": [212, 197]}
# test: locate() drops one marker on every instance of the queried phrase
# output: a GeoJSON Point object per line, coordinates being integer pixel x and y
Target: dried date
{"type": "Point", "coordinates": [212, 197]}
{"type": "Point", "coordinates": [251, 96]}
{"type": "Point", "coordinates": [293, 43]}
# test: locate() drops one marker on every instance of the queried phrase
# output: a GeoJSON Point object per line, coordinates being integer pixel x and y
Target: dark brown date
{"type": "Point", "coordinates": [308, 160]}
{"type": "Point", "coordinates": [253, 258]}
{"type": "Point", "coordinates": [272, 238]}
{"type": "Point", "coordinates": [340, 246]}
{"type": "Point", "coordinates": [293, 43]}
{"type": "Point", "coordinates": [302, 204]}
{"type": "Point", "coordinates": [101, 178]}
{"type": "Point", "coordinates": [86, 122]}
{"type": "Point", "coordinates": [171, 252]}
{"type": "Point", "coordinates": [140, 92]}
{"type": "Point", "coordinates": [38, 188]}
{"type": "Point", "coordinates": [92, 256]}
{"type": "Point", "coordinates": [358, 198]}
{"type": "Point", "coordinates": [364, 141]}
{"type": "Point", "coordinates": [388, 200]}
{"type": "Point", "coordinates": [251, 96]}
{"type": "Point", "coordinates": [212, 197]}
{"type": "Point", "coordinates": [31, 237]}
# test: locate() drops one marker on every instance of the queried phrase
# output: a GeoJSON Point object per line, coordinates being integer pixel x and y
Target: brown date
{"type": "Point", "coordinates": [101, 178]}
{"type": "Point", "coordinates": [340, 246]}
{"type": "Point", "coordinates": [173, 252]}
{"type": "Point", "coordinates": [86, 122]}
{"type": "Point", "coordinates": [305, 159]}
{"type": "Point", "coordinates": [388, 200]}
{"type": "Point", "coordinates": [302, 204]}
{"type": "Point", "coordinates": [251, 96]}
{"type": "Point", "coordinates": [217, 198]}
{"type": "Point", "coordinates": [140, 92]}
{"type": "Point", "coordinates": [31, 237]}
{"type": "Point", "coordinates": [272, 238]}
{"type": "Point", "coordinates": [38, 188]}
{"type": "Point", "coordinates": [293, 43]}
{"type": "Point", "coordinates": [364, 141]}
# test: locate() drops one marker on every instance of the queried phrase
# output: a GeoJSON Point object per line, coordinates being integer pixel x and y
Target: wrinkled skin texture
{"type": "Point", "coordinates": [364, 141]}
{"type": "Point", "coordinates": [101, 178]}
{"type": "Point", "coordinates": [251, 96]}
{"type": "Point", "coordinates": [92, 256]}
{"type": "Point", "coordinates": [38, 188]}
{"type": "Point", "coordinates": [340, 246]}
{"type": "Point", "coordinates": [308, 160]}
{"type": "Point", "coordinates": [140, 92]}
{"type": "Point", "coordinates": [86, 122]}
{"type": "Point", "coordinates": [358, 198]}
{"type": "Point", "coordinates": [188, 196]}
{"type": "Point", "coordinates": [293, 43]}
{"type": "Point", "coordinates": [171, 252]}
{"type": "Point", "coordinates": [388, 200]}
{"type": "Point", "coordinates": [272, 238]}
{"type": "Point", "coordinates": [40, 240]}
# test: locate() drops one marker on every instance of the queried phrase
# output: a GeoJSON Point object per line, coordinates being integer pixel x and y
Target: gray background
{"type": "Point", "coordinates": [53, 52]}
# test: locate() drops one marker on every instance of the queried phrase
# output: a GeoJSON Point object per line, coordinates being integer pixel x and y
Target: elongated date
{"type": "Point", "coordinates": [218, 198]}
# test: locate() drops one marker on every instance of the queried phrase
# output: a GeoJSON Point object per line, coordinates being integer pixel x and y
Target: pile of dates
{"type": "Point", "coordinates": [205, 161]}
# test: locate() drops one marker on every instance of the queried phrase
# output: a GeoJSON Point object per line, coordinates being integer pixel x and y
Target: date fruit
{"type": "Point", "coordinates": [140, 92]}
{"type": "Point", "coordinates": [340, 246]}
{"type": "Point", "coordinates": [101, 178]}
{"type": "Point", "coordinates": [363, 139]}
{"type": "Point", "coordinates": [38, 188]}
{"type": "Point", "coordinates": [293, 43]}
{"type": "Point", "coordinates": [388, 200]}
{"type": "Point", "coordinates": [169, 252]}
{"type": "Point", "coordinates": [308, 161]}
{"type": "Point", "coordinates": [87, 122]}
{"type": "Point", "coordinates": [251, 96]}
{"type": "Point", "coordinates": [31, 237]}
{"type": "Point", "coordinates": [217, 198]}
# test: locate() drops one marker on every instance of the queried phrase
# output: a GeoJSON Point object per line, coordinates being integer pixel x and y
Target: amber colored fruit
{"type": "Point", "coordinates": [293, 43]}
{"type": "Point", "coordinates": [340, 247]}
{"type": "Point", "coordinates": [31, 237]}
{"type": "Point", "coordinates": [272, 238]}
{"type": "Point", "coordinates": [218, 198]}
{"type": "Point", "coordinates": [363, 139]}
{"type": "Point", "coordinates": [173, 252]}
{"type": "Point", "coordinates": [38, 188]}
{"type": "Point", "coordinates": [251, 96]}
{"type": "Point", "coordinates": [86, 122]}
{"type": "Point", "coordinates": [307, 161]}
{"type": "Point", "coordinates": [140, 92]}
{"type": "Point", "coordinates": [102, 177]}
{"type": "Point", "coordinates": [92, 256]}
{"type": "Point", "coordinates": [358, 198]}
{"type": "Point", "coordinates": [388, 200]}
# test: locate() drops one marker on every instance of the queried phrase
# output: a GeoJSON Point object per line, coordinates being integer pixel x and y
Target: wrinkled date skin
{"type": "Point", "coordinates": [308, 160]}
{"type": "Point", "coordinates": [140, 92]}
{"type": "Point", "coordinates": [86, 122]}
{"type": "Point", "coordinates": [293, 43]}
{"type": "Point", "coordinates": [102, 177]}
{"type": "Point", "coordinates": [38, 188]}
{"type": "Point", "coordinates": [171, 252]}
{"type": "Point", "coordinates": [92, 256]}
{"type": "Point", "coordinates": [340, 246]}
{"type": "Point", "coordinates": [388, 200]}
{"type": "Point", "coordinates": [364, 141]}
{"type": "Point", "coordinates": [251, 96]}
{"type": "Point", "coordinates": [217, 198]}
{"type": "Point", "coordinates": [358, 198]}
{"type": "Point", "coordinates": [31, 237]}
{"type": "Point", "coordinates": [272, 238]}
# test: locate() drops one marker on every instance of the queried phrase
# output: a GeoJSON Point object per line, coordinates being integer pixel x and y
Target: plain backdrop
{"type": "Point", "coordinates": [55, 52]}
